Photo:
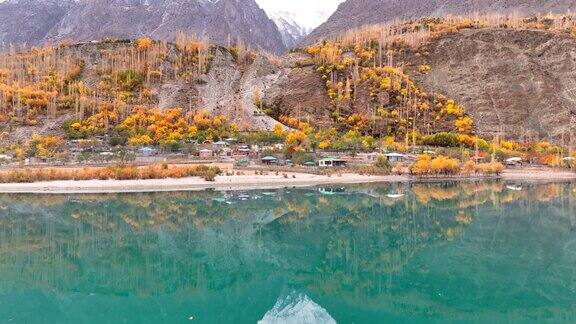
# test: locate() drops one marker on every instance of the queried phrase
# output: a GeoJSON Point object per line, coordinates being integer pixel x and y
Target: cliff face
{"type": "Point", "coordinates": [357, 13]}
{"type": "Point", "coordinates": [37, 21]}
{"type": "Point", "coordinates": [514, 82]}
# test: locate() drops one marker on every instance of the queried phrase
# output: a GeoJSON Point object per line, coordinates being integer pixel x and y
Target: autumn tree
{"type": "Point", "coordinates": [296, 141]}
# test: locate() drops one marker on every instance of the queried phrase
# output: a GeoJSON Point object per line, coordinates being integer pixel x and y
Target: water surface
{"type": "Point", "coordinates": [394, 253]}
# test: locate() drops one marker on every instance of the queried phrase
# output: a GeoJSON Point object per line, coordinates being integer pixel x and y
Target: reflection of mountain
{"type": "Point", "coordinates": [360, 252]}
{"type": "Point", "coordinates": [296, 309]}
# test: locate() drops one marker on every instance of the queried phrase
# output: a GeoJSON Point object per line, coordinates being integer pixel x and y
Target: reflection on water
{"type": "Point", "coordinates": [296, 309]}
{"type": "Point", "coordinates": [486, 251]}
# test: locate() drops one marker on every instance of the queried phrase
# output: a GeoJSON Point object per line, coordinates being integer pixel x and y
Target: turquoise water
{"type": "Point", "coordinates": [395, 253]}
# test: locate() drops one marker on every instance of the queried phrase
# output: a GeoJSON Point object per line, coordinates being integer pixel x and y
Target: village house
{"type": "Point", "coordinates": [332, 162]}
{"type": "Point", "coordinates": [396, 157]}
{"type": "Point", "coordinates": [269, 160]}
{"type": "Point", "coordinates": [243, 151]}
{"type": "Point", "coordinates": [514, 161]}
{"type": "Point", "coordinates": [372, 157]}
{"type": "Point", "coordinates": [206, 154]}
{"type": "Point", "coordinates": [220, 145]}
{"type": "Point", "coordinates": [147, 151]}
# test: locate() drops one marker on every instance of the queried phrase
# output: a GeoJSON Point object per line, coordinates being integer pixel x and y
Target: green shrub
{"type": "Point", "coordinates": [442, 140]}
{"type": "Point", "coordinates": [383, 163]}
{"type": "Point", "coordinates": [70, 132]}
{"type": "Point", "coordinates": [128, 80]}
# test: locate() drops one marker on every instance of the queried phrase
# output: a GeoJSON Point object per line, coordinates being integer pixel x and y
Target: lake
{"type": "Point", "coordinates": [390, 253]}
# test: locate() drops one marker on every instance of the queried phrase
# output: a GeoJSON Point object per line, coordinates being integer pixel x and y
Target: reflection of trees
{"type": "Point", "coordinates": [358, 245]}
{"type": "Point", "coordinates": [127, 243]}
{"type": "Point", "coordinates": [358, 241]}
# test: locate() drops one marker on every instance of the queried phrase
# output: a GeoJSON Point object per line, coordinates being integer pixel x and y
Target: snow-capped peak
{"type": "Point", "coordinates": [291, 31]}
{"type": "Point", "coordinates": [297, 18]}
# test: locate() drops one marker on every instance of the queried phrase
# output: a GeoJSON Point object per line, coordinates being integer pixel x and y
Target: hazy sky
{"type": "Point", "coordinates": [308, 13]}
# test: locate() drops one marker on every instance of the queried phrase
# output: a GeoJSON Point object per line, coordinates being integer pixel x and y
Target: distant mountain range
{"type": "Point", "coordinates": [356, 13]}
{"type": "Point", "coordinates": [292, 32]}
{"type": "Point", "coordinates": [37, 21]}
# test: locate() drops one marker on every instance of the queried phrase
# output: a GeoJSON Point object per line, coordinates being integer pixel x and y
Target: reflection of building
{"type": "Point", "coordinates": [331, 191]}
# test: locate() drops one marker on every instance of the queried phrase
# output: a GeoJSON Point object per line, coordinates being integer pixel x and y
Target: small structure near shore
{"type": "Point", "coordinates": [147, 151]}
{"type": "Point", "coordinates": [5, 158]}
{"type": "Point", "coordinates": [310, 164]}
{"type": "Point", "coordinates": [372, 157]}
{"type": "Point", "coordinates": [269, 160]}
{"type": "Point", "coordinates": [395, 157]}
{"type": "Point", "coordinates": [206, 154]}
{"type": "Point", "coordinates": [331, 162]}
{"type": "Point", "coordinates": [515, 161]}
{"type": "Point", "coordinates": [220, 145]}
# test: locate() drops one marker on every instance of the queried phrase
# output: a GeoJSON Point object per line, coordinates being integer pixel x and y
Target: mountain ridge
{"type": "Point", "coordinates": [357, 13]}
{"type": "Point", "coordinates": [40, 21]}
{"type": "Point", "coordinates": [292, 32]}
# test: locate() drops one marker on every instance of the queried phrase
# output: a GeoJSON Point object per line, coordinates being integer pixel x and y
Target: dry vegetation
{"type": "Point", "coordinates": [120, 172]}
{"type": "Point", "coordinates": [444, 166]}
{"type": "Point", "coordinates": [53, 81]}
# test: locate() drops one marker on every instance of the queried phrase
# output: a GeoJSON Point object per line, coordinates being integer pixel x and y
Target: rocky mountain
{"type": "Point", "coordinates": [27, 21]}
{"type": "Point", "coordinates": [37, 21]}
{"type": "Point", "coordinates": [292, 32]}
{"type": "Point", "coordinates": [519, 83]}
{"type": "Point", "coordinates": [357, 13]}
{"type": "Point", "coordinates": [516, 82]}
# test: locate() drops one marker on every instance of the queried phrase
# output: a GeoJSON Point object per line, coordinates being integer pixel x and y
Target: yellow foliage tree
{"type": "Point", "coordinates": [464, 124]}
{"type": "Point", "coordinates": [444, 165]}
{"type": "Point", "coordinates": [143, 43]}
{"type": "Point", "coordinates": [139, 140]}
{"type": "Point", "coordinates": [422, 166]}
{"type": "Point", "coordinates": [279, 130]}
{"type": "Point", "coordinates": [296, 141]}
{"type": "Point", "coordinates": [468, 168]}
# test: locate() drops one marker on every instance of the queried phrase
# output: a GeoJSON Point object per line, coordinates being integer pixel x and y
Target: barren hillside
{"type": "Point", "coordinates": [487, 81]}
{"type": "Point", "coordinates": [357, 13]}
{"type": "Point", "coordinates": [515, 82]}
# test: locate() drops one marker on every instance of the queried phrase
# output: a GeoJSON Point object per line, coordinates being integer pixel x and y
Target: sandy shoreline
{"type": "Point", "coordinates": [247, 182]}
{"type": "Point", "coordinates": [193, 184]}
{"type": "Point", "coordinates": [538, 175]}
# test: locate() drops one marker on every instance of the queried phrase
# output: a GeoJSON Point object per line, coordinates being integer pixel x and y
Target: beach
{"type": "Point", "coordinates": [236, 182]}
{"type": "Point", "coordinates": [538, 174]}
{"type": "Point", "coordinates": [252, 181]}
